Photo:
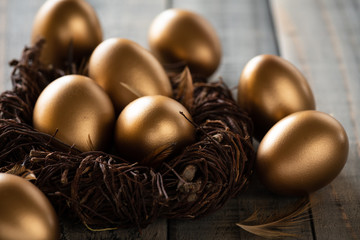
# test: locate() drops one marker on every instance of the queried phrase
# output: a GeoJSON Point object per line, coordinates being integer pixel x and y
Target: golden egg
{"type": "Point", "coordinates": [271, 88]}
{"type": "Point", "coordinates": [78, 111]}
{"type": "Point", "coordinates": [126, 71]}
{"type": "Point", "coordinates": [151, 125]}
{"type": "Point", "coordinates": [65, 22]}
{"type": "Point", "coordinates": [26, 213]}
{"type": "Point", "coordinates": [178, 35]}
{"type": "Point", "coordinates": [302, 153]}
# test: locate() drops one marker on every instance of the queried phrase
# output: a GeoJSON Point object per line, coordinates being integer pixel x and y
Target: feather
{"type": "Point", "coordinates": [279, 225]}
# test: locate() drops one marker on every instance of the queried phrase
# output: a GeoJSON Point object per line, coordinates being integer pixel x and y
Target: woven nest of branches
{"type": "Point", "coordinates": [102, 189]}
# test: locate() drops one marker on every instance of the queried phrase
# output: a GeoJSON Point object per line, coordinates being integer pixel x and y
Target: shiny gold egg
{"type": "Point", "coordinates": [271, 88]}
{"type": "Point", "coordinates": [151, 125]}
{"type": "Point", "coordinates": [126, 71]}
{"type": "Point", "coordinates": [302, 153]}
{"type": "Point", "coordinates": [78, 111]}
{"type": "Point", "coordinates": [178, 35]}
{"type": "Point", "coordinates": [65, 22]}
{"type": "Point", "coordinates": [26, 213]}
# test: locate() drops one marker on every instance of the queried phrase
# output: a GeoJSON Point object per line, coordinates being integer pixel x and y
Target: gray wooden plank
{"type": "Point", "coordinates": [3, 20]}
{"type": "Point", "coordinates": [127, 18]}
{"type": "Point", "coordinates": [18, 20]}
{"type": "Point", "coordinates": [74, 231]}
{"type": "Point", "coordinates": [245, 30]}
{"type": "Point", "coordinates": [218, 225]}
{"type": "Point", "coordinates": [323, 39]}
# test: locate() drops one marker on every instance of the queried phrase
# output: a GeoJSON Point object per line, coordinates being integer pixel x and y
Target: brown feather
{"type": "Point", "coordinates": [279, 225]}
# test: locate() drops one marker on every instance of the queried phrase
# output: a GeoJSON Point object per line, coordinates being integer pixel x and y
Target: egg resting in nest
{"type": "Point", "coordinates": [105, 190]}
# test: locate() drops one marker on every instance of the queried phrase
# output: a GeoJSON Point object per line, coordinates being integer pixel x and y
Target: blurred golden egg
{"type": "Point", "coordinates": [26, 213]}
{"type": "Point", "coordinates": [149, 125]}
{"type": "Point", "coordinates": [78, 111]}
{"type": "Point", "coordinates": [302, 153]}
{"type": "Point", "coordinates": [126, 71]}
{"type": "Point", "coordinates": [271, 88]}
{"type": "Point", "coordinates": [178, 35]}
{"type": "Point", "coordinates": [62, 22]}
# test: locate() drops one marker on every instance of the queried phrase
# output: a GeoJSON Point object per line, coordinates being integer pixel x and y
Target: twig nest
{"type": "Point", "coordinates": [103, 189]}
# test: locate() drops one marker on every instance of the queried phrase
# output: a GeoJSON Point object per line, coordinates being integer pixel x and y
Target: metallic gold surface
{"type": "Point", "coordinates": [26, 213]}
{"type": "Point", "coordinates": [80, 110]}
{"type": "Point", "coordinates": [271, 88]}
{"type": "Point", "coordinates": [149, 125]}
{"type": "Point", "coordinates": [126, 71]}
{"type": "Point", "coordinates": [302, 153]}
{"type": "Point", "coordinates": [178, 35]}
{"type": "Point", "coordinates": [61, 22]}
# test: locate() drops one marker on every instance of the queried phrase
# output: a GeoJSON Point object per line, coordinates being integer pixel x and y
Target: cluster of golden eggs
{"type": "Point", "coordinates": [126, 95]}
{"type": "Point", "coordinates": [301, 150]}
{"type": "Point", "coordinates": [126, 101]}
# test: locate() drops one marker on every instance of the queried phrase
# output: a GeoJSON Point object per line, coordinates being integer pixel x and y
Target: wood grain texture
{"type": "Point", "coordinates": [74, 231]}
{"type": "Point", "coordinates": [19, 18]}
{"type": "Point", "coordinates": [3, 21]}
{"type": "Point", "coordinates": [323, 39]}
{"type": "Point", "coordinates": [127, 18]}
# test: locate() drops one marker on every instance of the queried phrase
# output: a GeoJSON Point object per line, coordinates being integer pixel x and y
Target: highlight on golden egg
{"type": "Point", "coordinates": [77, 111]}
{"type": "Point", "coordinates": [302, 153]}
{"type": "Point", "coordinates": [150, 125]}
{"type": "Point", "coordinates": [271, 88]}
{"type": "Point", "coordinates": [126, 71]}
{"type": "Point", "coordinates": [65, 23]}
{"type": "Point", "coordinates": [26, 213]}
{"type": "Point", "coordinates": [181, 36]}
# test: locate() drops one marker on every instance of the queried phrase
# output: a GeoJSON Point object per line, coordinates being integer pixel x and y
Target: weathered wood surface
{"type": "Point", "coordinates": [321, 37]}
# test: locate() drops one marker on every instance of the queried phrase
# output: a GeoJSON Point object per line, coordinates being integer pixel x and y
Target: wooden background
{"type": "Point", "coordinates": [321, 37]}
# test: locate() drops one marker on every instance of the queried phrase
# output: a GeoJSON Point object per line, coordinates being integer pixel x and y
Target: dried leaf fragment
{"type": "Point", "coordinates": [186, 89]}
